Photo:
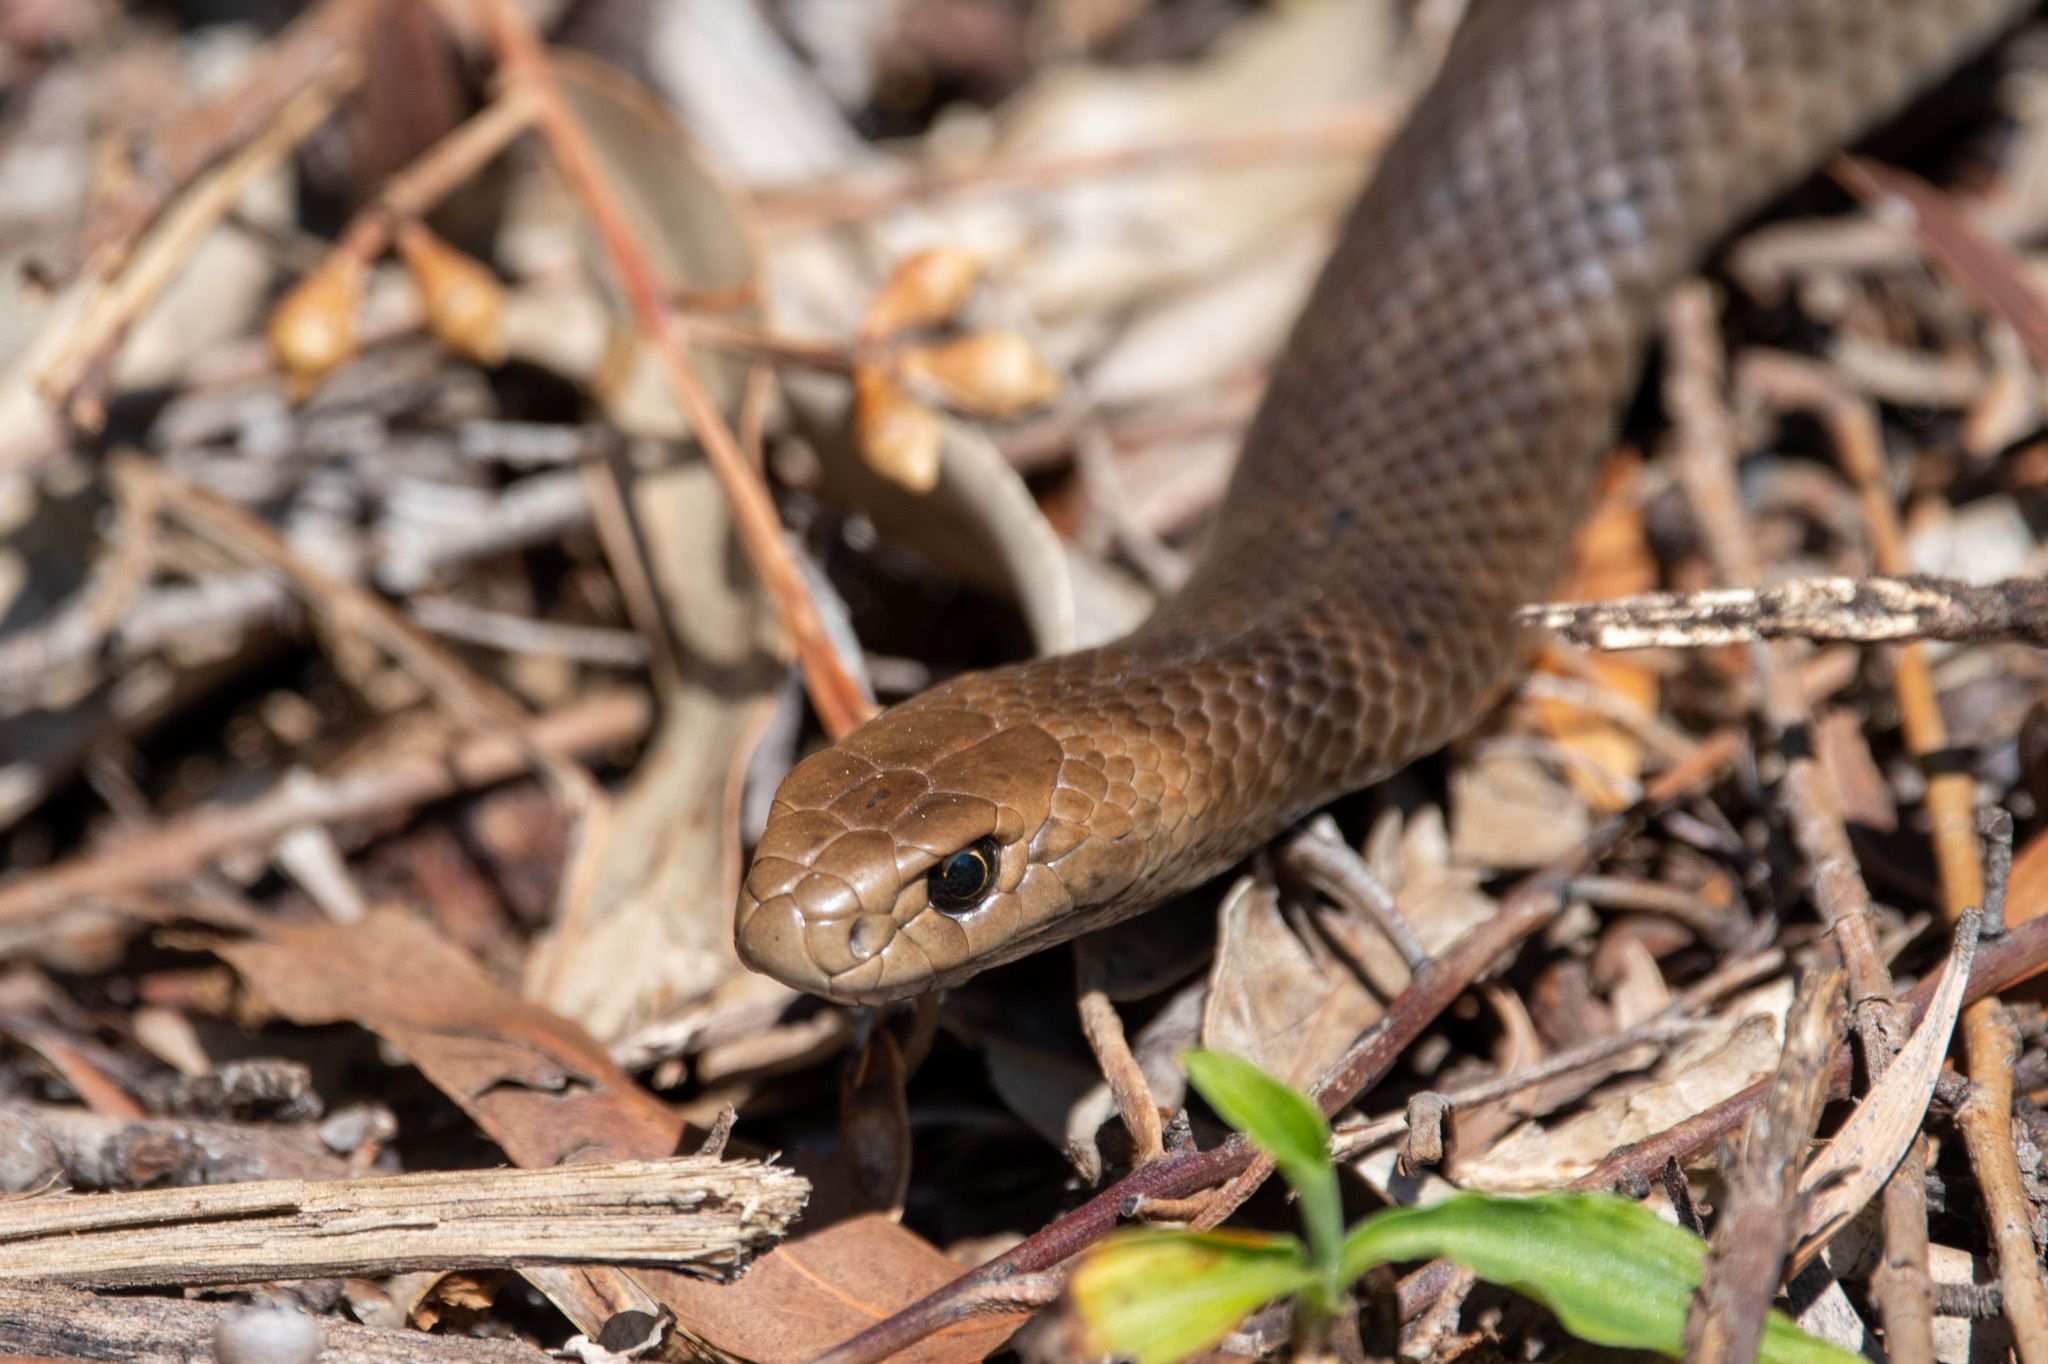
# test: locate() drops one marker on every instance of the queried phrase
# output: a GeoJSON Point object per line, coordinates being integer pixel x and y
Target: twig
{"type": "Point", "coordinates": [517, 634]}
{"type": "Point", "coordinates": [185, 846]}
{"type": "Point", "coordinates": [1981, 266]}
{"type": "Point", "coordinates": [78, 360]}
{"type": "Point", "coordinates": [690, 1211]}
{"type": "Point", "coordinates": [350, 609]}
{"type": "Point", "coordinates": [1180, 1175]}
{"type": "Point", "coordinates": [320, 43]}
{"type": "Point", "coordinates": [1767, 260]}
{"type": "Point", "coordinates": [42, 1320]}
{"type": "Point", "coordinates": [1951, 791]}
{"type": "Point", "coordinates": [530, 511]}
{"type": "Point", "coordinates": [1356, 132]}
{"type": "Point", "coordinates": [1104, 1029]}
{"type": "Point", "coordinates": [1865, 610]}
{"type": "Point", "coordinates": [1986, 1122]}
{"type": "Point", "coordinates": [413, 192]}
{"type": "Point", "coordinates": [2020, 955]}
{"type": "Point", "coordinates": [836, 694]}
{"type": "Point", "coordinates": [1428, 1285]}
{"type": "Point", "coordinates": [1747, 1255]}
{"type": "Point", "coordinates": [1353, 1138]}
{"type": "Point", "coordinates": [1810, 809]}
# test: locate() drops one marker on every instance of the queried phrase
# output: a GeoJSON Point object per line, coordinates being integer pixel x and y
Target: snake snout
{"type": "Point", "coordinates": [807, 928]}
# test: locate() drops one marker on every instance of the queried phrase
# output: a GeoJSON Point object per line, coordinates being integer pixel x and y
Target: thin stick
{"type": "Point", "coordinates": [351, 609]}
{"type": "Point", "coordinates": [837, 695]}
{"type": "Point", "coordinates": [186, 846]}
{"type": "Point", "coordinates": [1813, 815]}
{"type": "Point", "coordinates": [1353, 132]}
{"type": "Point", "coordinates": [78, 361]}
{"type": "Point", "coordinates": [1986, 1122]}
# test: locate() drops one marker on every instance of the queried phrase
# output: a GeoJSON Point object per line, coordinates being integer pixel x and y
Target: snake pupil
{"type": "Point", "coordinates": [960, 879]}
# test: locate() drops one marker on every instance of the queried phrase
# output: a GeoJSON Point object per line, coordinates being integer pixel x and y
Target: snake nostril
{"type": "Point", "coordinates": [871, 933]}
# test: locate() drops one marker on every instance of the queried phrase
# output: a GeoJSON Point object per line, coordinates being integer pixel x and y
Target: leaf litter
{"type": "Point", "coordinates": [389, 689]}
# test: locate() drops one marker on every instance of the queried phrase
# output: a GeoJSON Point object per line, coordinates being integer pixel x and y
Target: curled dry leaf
{"type": "Point", "coordinates": [1440, 899]}
{"type": "Point", "coordinates": [994, 374]}
{"type": "Point", "coordinates": [926, 288]}
{"type": "Point", "coordinates": [1278, 997]}
{"type": "Point", "coordinates": [463, 301]}
{"type": "Point", "coordinates": [814, 1291]}
{"type": "Point", "coordinates": [536, 1084]}
{"type": "Point", "coordinates": [313, 330]}
{"type": "Point", "coordinates": [899, 436]}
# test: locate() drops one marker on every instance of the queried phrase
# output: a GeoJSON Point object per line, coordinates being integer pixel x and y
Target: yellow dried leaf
{"type": "Point", "coordinates": [989, 374]}
{"type": "Point", "coordinates": [899, 436]}
{"type": "Point", "coordinates": [312, 331]}
{"type": "Point", "coordinates": [464, 303]}
{"type": "Point", "coordinates": [927, 287]}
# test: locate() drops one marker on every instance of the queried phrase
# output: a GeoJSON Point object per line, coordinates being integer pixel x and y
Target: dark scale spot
{"type": "Point", "coordinates": [877, 798]}
{"type": "Point", "coordinates": [1415, 637]}
{"type": "Point", "coordinates": [1342, 517]}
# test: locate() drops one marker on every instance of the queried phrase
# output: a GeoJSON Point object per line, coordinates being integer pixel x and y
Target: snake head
{"type": "Point", "coordinates": [918, 851]}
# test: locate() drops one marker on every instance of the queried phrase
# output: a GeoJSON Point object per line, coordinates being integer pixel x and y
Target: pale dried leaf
{"type": "Point", "coordinates": [1277, 997]}
{"type": "Point", "coordinates": [1511, 812]}
{"type": "Point", "coordinates": [1740, 1049]}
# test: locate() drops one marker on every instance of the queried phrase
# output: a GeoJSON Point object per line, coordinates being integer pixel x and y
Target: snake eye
{"type": "Point", "coordinates": [960, 879]}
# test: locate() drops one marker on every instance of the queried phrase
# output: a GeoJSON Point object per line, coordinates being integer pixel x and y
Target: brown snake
{"type": "Point", "coordinates": [1412, 477]}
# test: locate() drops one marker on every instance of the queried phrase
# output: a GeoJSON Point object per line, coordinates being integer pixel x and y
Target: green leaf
{"type": "Point", "coordinates": [1611, 1271]}
{"type": "Point", "coordinates": [1286, 1127]}
{"type": "Point", "coordinates": [1160, 1296]}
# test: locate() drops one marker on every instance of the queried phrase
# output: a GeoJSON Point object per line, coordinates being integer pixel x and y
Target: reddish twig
{"type": "Point", "coordinates": [837, 695]}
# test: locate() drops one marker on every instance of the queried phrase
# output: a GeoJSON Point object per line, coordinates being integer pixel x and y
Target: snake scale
{"type": "Point", "coordinates": [1413, 475]}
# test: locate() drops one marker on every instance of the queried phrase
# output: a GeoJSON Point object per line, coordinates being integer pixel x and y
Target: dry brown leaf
{"type": "Point", "coordinates": [1412, 857]}
{"type": "Point", "coordinates": [1277, 997]}
{"type": "Point", "coordinates": [1511, 812]}
{"type": "Point", "coordinates": [537, 1084]}
{"type": "Point", "coordinates": [814, 1291]}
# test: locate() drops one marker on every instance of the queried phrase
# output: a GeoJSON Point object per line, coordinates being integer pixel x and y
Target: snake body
{"type": "Point", "coordinates": [1412, 476]}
